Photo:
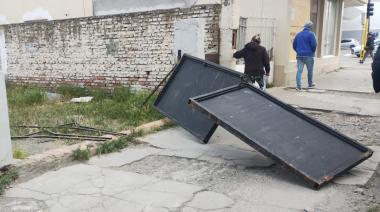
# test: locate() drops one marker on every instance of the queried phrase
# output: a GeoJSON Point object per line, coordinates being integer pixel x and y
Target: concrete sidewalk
{"type": "Point", "coordinates": [172, 171]}
{"type": "Point", "coordinates": [341, 102]}
{"type": "Point", "coordinates": [348, 90]}
{"type": "Point", "coordinates": [353, 77]}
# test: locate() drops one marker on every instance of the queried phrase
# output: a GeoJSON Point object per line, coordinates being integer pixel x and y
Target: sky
{"type": "Point", "coordinates": [352, 18]}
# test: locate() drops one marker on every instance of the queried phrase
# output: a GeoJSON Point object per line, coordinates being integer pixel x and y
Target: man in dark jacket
{"type": "Point", "coordinates": [305, 45]}
{"type": "Point", "coordinates": [256, 61]}
{"type": "Point", "coordinates": [376, 72]}
{"type": "Point", "coordinates": [369, 47]}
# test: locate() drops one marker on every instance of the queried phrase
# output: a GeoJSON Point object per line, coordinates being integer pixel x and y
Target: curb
{"type": "Point", "coordinates": [55, 159]}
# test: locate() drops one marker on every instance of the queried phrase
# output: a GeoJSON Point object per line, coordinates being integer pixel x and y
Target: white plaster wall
{"type": "Point", "coordinates": [189, 37]}
{"type": "Point", "coordinates": [3, 53]}
{"type": "Point", "coordinates": [282, 14]}
{"type": "Point", "coordinates": [279, 12]}
{"type": "Point", "coordinates": [17, 11]}
{"type": "Point", "coordinates": [228, 22]}
{"type": "Point", "coordinates": [5, 137]}
{"type": "Point", "coordinates": [110, 7]}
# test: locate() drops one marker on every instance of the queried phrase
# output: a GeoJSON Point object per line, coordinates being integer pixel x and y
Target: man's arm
{"type": "Point", "coordinates": [313, 42]}
{"type": "Point", "coordinates": [295, 44]}
{"type": "Point", "coordinates": [239, 54]}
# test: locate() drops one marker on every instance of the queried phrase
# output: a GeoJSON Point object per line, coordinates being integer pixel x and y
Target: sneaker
{"type": "Point", "coordinates": [312, 85]}
{"type": "Point", "coordinates": [298, 89]}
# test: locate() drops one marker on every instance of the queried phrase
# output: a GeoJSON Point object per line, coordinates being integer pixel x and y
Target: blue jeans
{"type": "Point", "coordinates": [301, 62]}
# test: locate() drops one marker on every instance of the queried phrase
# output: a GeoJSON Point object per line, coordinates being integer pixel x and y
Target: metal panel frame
{"type": "Point", "coordinates": [315, 183]}
{"type": "Point", "coordinates": [177, 69]}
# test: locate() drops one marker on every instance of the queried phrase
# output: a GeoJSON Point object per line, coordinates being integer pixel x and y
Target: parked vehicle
{"type": "Point", "coordinates": [349, 43]}
{"type": "Point", "coordinates": [356, 50]}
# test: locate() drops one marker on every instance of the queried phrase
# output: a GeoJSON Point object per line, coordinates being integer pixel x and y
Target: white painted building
{"type": "Point", "coordinates": [18, 11]}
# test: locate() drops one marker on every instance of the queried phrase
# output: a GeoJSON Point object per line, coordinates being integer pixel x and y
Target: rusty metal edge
{"type": "Point", "coordinates": [315, 183]}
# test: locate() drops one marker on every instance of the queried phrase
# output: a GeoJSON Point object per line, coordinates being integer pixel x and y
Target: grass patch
{"type": "Point", "coordinates": [375, 208]}
{"type": "Point", "coordinates": [19, 154]}
{"type": "Point", "coordinates": [82, 155]}
{"type": "Point", "coordinates": [116, 145]}
{"type": "Point", "coordinates": [6, 178]}
{"type": "Point", "coordinates": [119, 110]}
{"type": "Point", "coordinates": [22, 96]}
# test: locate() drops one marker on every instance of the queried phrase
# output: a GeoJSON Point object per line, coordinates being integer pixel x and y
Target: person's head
{"type": "Point", "coordinates": [308, 25]}
{"type": "Point", "coordinates": [256, 39]}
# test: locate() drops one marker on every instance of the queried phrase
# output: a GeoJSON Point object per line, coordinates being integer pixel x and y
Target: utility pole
{"type": "Point", "coordinates": [366, 28]}
{"type": "Point", "coordinates": [5, 136]}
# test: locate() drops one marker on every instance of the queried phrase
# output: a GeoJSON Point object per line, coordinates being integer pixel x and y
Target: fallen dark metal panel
{"type": "Point", "coordinates": [306, 146]}
{"type": "Point", "coordinates": [193, 77]}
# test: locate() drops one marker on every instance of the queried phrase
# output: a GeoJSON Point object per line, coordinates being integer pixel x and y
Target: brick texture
{"type": "Point", "coordinates": [133, 49]}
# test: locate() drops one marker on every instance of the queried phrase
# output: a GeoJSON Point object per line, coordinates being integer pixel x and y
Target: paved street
{"type": "Point", "coordinates": [172, 171]}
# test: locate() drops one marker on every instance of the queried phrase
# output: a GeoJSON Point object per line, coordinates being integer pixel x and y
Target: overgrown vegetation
{"type": "Point", "coordinates": [117, 110]}
{"type": "Point", "coordinates": [82, 155]}
{"type": "Point", "coordinates": [6, 178]}
{"type": "Point", "coordinates": [106, 148]}
{"type": "Point", "coordinates": [375, 208]}
{"type": "Point", "coordinates": [22, 96]}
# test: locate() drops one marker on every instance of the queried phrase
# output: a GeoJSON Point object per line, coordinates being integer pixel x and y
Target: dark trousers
{"type": "Point", "coordinates": [376, 82]}
{"type": "Point", "coordinates": [367, 52]}
{"type": "Point", "coordinates": [259, 80]}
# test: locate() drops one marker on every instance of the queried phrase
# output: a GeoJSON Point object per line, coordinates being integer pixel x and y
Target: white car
{"type": "Point", "coordinates": [356, 50]}
{"type": "Point", "coordinates": [349, 43]}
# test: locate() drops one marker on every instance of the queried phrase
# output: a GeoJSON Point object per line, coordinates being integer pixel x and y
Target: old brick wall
{"type": "Point", "coordinates": [130, 49]}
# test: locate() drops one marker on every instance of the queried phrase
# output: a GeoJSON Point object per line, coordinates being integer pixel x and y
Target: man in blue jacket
{"type": "Point", "coordinates": [305, 45]}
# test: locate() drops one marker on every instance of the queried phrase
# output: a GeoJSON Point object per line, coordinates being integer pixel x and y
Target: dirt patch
{"type": "Point", "coordinates": [366, 130]}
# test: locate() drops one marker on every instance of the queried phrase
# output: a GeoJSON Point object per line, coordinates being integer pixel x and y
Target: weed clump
{"type": "Point", "coordinates": [6, 178]}
{"type": "Point", "coordinates": [19, 154]}
{"type": "Point", "coordinates": [82, 155]}
{"type": "Point", "coordinates": [115, 145]}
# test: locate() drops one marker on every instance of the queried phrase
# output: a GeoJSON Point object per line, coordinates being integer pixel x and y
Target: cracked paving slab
{"type": "Point", "coordinates": [223, 148]}
{"type": "Point", "coordinates": [91, 188]}
{"type": "Point", "coordinates": [124, 157]}
{"type": "Point", "coordinates": [177, 173]}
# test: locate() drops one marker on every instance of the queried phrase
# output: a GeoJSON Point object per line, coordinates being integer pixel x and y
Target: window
{"type": "Point", "coordinates": [331, 24]}
{"type": "Point", "coordinates": [234, 38]}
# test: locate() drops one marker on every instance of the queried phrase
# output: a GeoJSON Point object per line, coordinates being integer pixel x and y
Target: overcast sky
{"type": "Point", "coordinates": [352, 18]}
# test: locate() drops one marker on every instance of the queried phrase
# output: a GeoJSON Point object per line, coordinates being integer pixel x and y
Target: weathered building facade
{"type": "Point", "coordinates": [136, 42]}
{"type": "Point", "coordinates": [136, 49]}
